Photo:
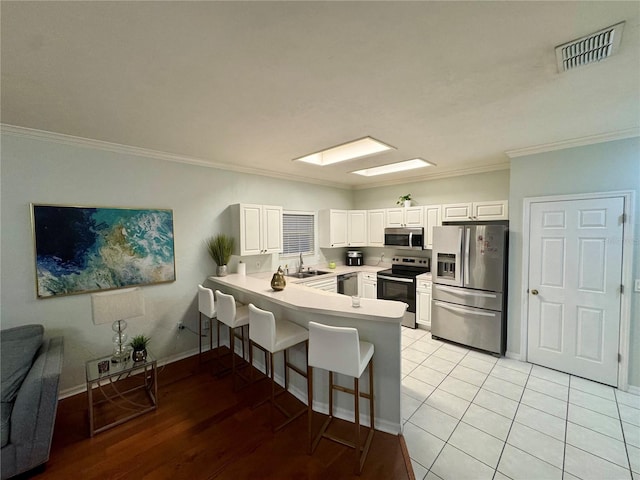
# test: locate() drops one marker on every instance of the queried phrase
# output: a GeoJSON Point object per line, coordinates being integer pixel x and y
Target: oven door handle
{"type": "Point", "coordinates": [470, 311]}
{"type": "Point", "coordinates": [395, 279]}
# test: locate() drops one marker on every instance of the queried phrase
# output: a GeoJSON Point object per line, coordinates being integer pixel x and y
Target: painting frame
{"type": "Point", "coordinates": [86, 249]}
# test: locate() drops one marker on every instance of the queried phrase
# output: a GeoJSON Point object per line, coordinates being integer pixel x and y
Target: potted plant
{"type": "Point", "coordinates": [139, 344]}
{"type": "Point", "coordinates": [404, 200]}
{"type": "Point", "coordinates": [221, 248]}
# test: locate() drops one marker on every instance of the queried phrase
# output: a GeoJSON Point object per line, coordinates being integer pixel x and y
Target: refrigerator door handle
{"type": "Point", "coordinates": [466, 292]}
{"type": "Point", "coordinates": [465, 271]}
{"type": "Point", "coordinates": [470, 311]}
{"type": "Point", "coordinates": [459, 271]}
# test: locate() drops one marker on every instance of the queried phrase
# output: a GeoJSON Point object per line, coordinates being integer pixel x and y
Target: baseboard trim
{"type": "Point", "coordinates": [301, 395]}
{"type": "Point", "coordinates": [633, 389]}
{"type": "Point", "coordinates": [514, 356]}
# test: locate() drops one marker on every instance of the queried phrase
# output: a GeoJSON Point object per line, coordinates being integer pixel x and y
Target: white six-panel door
{"type": "Point", "coordinates": [575, 274]}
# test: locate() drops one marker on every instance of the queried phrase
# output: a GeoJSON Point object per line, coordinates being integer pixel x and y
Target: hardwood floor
{"type": "Point", "coordinates": [202, 430]}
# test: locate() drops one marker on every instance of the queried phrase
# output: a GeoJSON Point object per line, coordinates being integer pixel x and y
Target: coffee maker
{"type": "Point", "coordinates": [354, 258]}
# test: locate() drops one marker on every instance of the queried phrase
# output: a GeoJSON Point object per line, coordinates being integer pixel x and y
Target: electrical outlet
{"type": "Point", "coordinates": [637, 285]}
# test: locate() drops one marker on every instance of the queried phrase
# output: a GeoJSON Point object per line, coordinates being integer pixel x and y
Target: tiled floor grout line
{"type": "Point", "coordinates": [513, 420]}
{"type": "Point", "coordinates": [624, 438]}
{"type": "Point", "coordinates": [530, 374]}
{"type": "Point", "coordinates": [460, 419]}
{"type": "Point", "coordinates": [566, 429]}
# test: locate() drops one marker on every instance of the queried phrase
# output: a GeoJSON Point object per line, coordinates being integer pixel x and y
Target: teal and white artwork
{"type": "Point", "coordinates": [87, 249]}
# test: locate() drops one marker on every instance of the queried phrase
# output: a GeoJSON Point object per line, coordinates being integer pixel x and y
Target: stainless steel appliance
{"type": "Point", "coordinates": [469, 285]}
{"type": "Point", "coordinates": [348, 284]}
{"type": "Point", "coordinates": [354, 258]}
{"type": "Point", "coordinates": [399, 283]}
{"type": "Point", "coordinates": [406, 238]}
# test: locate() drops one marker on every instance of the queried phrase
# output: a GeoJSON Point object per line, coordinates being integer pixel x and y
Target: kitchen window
{"type": "Point", "coordinates": [298, 233]}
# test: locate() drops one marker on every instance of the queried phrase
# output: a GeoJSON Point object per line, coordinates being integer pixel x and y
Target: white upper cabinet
{"type": "Point", "coordinates": [496, 210]}
{"type": "Point", "coordinates": [342, 228]}
{"type": "Point", "coordinates": [405, 217]}
{"type": "Point", "coordinates": [376, 221]}
{"type": "Point", "coordinates": [357, 228]}
{"type": "Point", "coordinates": [333, 228]}
{"type": "Point", "coordinates": [476, 211]}
{"type": "Point", "coordinates": [257, 228]}
{"type": "Point", "coordinates": [432, 218]}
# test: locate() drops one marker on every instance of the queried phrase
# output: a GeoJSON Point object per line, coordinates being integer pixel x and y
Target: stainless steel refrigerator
{"type": "Point", "coordinates": [469, 285]}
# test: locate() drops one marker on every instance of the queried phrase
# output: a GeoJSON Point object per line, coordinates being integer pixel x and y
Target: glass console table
{"type": "Point", "coordinates": [125, 391]}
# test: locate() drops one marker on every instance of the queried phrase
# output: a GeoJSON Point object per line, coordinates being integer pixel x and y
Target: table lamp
{"type": "Point", "coordinates": [116, 307]}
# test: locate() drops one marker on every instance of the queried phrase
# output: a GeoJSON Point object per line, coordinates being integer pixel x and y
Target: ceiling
{"type": "Point", "coordinates": [250, 86]}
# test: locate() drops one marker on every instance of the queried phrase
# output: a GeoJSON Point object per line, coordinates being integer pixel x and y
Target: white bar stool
{"type": "Point", "coordinates": [233, 316]}
{"type": "Point", "coordinates": [206, 307]}
{"type": "Point", "coordinates": [339, 349]}
{"type": "Point", "coordinates": [275, 335]}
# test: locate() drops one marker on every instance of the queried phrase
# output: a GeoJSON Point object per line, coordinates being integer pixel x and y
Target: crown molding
{"type": "Point", "coordinates": [65, 139]}
{"type": "Point", "coordinates": [575, 142]}
{"type": "Point", "coordinates": [439, 175]}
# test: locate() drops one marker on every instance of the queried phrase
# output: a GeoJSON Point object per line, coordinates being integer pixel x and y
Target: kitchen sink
{"type": "Point", "coordinates": [314, 273]}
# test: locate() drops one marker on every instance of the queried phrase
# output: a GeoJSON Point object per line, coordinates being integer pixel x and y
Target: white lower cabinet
{"type": "Point", "coordinates": [369, 285]}
{"type": "Point", "coordinates": [326, 284]}
{"type": "Point", "coordinates": [423, 303]}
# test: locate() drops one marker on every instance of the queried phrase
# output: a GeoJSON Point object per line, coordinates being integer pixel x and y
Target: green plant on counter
{"type": "Point", "coordinates": [139, 342]}
{"type": "Point", "coordinates": [221, 248]}
{"type": "Point", "coordinates": [403, 198]}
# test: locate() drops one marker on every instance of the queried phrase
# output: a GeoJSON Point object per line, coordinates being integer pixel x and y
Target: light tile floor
{"type": "Point", "coordinates": [466, 414]}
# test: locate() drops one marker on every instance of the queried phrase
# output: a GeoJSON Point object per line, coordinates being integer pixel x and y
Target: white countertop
{"type": "Point", "coordinates": [316, 301]}
{"type": "Point", "coordinates": [425, 276]}
{"type": "Point", "coordinates": [331, 272]}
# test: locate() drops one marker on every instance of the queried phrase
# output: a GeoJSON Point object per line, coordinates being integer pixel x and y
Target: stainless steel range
{"type": "Point", "coordinates": [399, 283]}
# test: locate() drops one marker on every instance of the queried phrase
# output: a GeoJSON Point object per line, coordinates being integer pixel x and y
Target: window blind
{"type": "Point", "coordinates": [297, 233]}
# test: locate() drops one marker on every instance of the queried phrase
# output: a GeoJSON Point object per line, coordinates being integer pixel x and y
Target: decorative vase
{"type": "Point", "coordinates": [139, 355]}
{"type": "Point", "coordinates": [407, 203]}
{"type": "Point", "coordinates": [221, 271]}
{"type": "Point", "coordinates": [277, 281]}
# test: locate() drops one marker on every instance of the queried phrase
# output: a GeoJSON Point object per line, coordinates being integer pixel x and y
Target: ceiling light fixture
{"type": "Point", "coordinates": [362, 147]}
{"type": "Point", "coordinates": [395, 167]}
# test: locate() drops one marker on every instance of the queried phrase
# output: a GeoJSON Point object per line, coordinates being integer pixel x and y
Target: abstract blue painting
{"type": "Point", "coordinates": [87, 249]}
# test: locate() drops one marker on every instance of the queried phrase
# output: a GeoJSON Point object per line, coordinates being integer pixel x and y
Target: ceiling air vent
{"type": "Point", "coordinates": [589, 49]}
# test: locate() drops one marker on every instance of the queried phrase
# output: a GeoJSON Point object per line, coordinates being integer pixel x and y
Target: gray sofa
{"type": "Point", "coordinates": [30, 374]}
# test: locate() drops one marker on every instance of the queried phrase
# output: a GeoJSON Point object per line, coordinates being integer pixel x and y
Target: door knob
{"type": "Point", "coordinates": [534, 292]}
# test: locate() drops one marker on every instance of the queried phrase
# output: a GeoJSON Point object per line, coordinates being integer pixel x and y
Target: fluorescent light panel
{"type": "Point", "coordinates": [394, 167]}
{"type": "Point", "coordinates": [347, 151]}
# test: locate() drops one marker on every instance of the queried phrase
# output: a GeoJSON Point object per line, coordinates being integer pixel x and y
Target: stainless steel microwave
{"type": "Point", "coordinates": [410, 238]}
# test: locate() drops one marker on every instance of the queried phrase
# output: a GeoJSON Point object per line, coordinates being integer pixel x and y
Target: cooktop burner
{"type": "Point", "coordinates": [407, 267]}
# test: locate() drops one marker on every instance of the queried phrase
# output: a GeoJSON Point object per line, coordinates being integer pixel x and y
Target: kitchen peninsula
{"type": "Point", "coordinates": [377, 321]}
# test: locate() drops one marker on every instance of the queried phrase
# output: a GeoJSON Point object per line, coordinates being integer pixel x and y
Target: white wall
{"type": "Point", "coordinates": [610, 166]}
{"type": "Point", "coordinates": [43, 171]}
{"type": "Point", "coordinates": [465, 188]}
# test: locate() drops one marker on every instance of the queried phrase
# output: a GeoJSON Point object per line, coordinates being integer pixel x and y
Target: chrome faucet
{"type": "Point", "coordinates": [301, 264]}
